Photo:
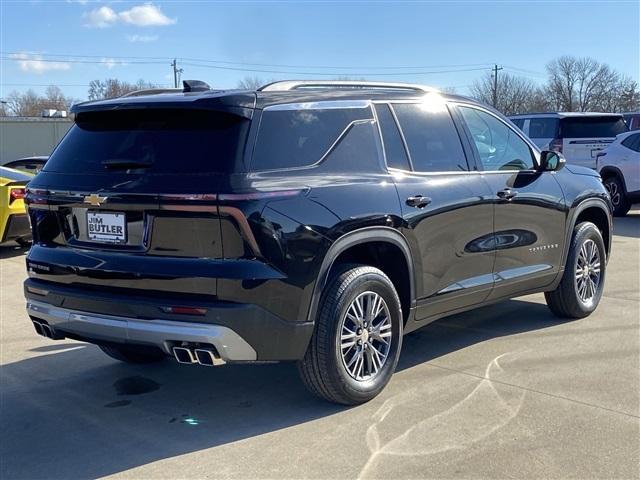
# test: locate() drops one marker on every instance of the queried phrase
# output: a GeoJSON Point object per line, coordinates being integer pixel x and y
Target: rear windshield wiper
{"type": "Point", "coordinates": [126, 163]}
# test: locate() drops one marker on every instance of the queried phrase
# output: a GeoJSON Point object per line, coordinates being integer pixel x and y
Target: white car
{"type": "Point", "coordinates": [619, 167]}
{"type": "Point", "coordinates": [579, 136]}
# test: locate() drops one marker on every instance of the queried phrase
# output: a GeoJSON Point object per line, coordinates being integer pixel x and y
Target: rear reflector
{"type": "Point", "coordinates": [180, 310]}
{"type": "Point", "coordinates": [16, 194]}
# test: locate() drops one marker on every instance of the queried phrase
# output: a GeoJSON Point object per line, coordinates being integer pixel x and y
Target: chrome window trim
{"type": "Point", "coordinates": [319, 105]}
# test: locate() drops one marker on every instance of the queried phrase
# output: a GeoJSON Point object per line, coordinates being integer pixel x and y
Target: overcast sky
{"type": "Point", "coordinates": [70, 43]}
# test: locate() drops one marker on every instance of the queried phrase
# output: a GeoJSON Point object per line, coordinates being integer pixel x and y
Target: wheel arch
{"type": "Point", "coordinates": [354, 244]}
{"type": "Point", "coordinates": [596, 211]}
{"type": "Point", "coordinates": [610, 171]}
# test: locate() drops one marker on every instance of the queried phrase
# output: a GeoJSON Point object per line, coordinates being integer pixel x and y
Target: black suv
{"type": "Point", "coordinates": [307, 221]}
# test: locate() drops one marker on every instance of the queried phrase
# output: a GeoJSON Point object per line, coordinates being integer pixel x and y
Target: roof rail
{"type": "Point", "coordinates": [353, 84]}
{"type": "Point", "coordinates": [150, 91]}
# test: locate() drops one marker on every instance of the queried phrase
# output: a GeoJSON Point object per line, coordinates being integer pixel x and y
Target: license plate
{"type": "Point", "coordinates": [106, 227]}
{"type": "Point", "coordinates": [594, 152]}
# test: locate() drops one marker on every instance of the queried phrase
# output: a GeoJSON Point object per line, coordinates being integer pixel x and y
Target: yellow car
{"type": "Point", "coordinates": [14, 223]}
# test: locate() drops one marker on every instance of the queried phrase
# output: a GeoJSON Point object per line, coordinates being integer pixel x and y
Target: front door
{"type": "Point", "coordinates": [529, 205]}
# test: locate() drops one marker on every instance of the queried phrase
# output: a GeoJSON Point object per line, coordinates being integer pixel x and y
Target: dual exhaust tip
{"type": "Point", "coordinates": [203, 356]}
{"type": "Point", "coordinates": [45, 330]}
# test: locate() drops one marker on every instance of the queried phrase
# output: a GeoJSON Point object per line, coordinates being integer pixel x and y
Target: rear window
{"type": "Point", "coordinates": [291, 137]}
{"type": "Point", "coordinates": [592, 127]}
{"type": "Point", "coordinates": [543, 127]}
{"type": "Point", "coordinates": [151, 141]}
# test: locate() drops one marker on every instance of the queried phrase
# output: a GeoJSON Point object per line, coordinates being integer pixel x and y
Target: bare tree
{"type": "Point", "coordinates": [514, 93]}
{"type": "Point", "coordinates": [112, 88]}
{"type": "Point", "coordinates": [581, 84]}
{"type": "Point", "coordinates": [251, 83]}
{"type": "Point", "coordinates": [30, 104]}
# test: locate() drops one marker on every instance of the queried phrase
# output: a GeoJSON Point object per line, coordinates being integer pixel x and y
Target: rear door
{"type": "Point", "coordinates": [583, 137]}
{"type": "Point", "coordinates": [529, 221]}
{"type": "Point", "coordinates": [448, 219]}
{"type": "Point", "coordinates": [129, 199]}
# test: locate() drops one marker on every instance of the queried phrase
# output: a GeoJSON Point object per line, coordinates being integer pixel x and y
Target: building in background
{"type": "Point", "coordinates": [31, 136]}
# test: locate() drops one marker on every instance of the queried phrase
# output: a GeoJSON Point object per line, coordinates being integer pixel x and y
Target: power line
{"type": "Point", "coordinates": [248, 64]}
{"type": "Point", "coordinates": [99, 62]}
{"type": "Point", "coordinates": [363, 74]}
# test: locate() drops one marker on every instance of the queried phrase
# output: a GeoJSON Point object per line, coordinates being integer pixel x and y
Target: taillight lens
{"type": "Point", "coordinates": [16, 194]}
{"type": "Point", "coordinates": [556, 145]}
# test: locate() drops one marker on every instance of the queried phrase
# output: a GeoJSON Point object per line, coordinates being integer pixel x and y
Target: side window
{"type": "Point", "coordinates": [632, 142]}
{"type": "Point", "coordinates": [543, 127]}
{"type": "Point", "coordinates": [393, 145]}
{"type": "Point", "coordinates": [357, 150]}
{"type": "Point", "coordinates": [432, 138]}
{"type": "Point", "coordinates": [290, 137]}
{"type": "Point", "coordinates": [518, 122]}
{"type": "Point", "coordinates": [498, 146]}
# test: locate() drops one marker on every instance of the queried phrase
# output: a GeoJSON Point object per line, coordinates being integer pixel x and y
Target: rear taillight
{"type": "Point", "coordinates": [556, 145]}
{"type": "Point", "coordinates": [16, 194]}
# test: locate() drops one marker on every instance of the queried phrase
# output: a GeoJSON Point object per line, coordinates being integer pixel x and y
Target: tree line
{"type": "Point", "coordinates": [572, 84]}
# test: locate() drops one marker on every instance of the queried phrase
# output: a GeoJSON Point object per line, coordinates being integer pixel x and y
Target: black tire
{"type": "Point", "coordinates": [323, 368]}
{"type": "Point", "coordinates": [565, 300]}
{"type": "Point", "coordinates": [133, 354]}
{"type": "Point", "coordinates": [619, 200]}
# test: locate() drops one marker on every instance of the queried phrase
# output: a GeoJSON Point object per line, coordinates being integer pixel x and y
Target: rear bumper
{"type": "Point", "coordinates": [17, 227]}
{"type": "Point", "coordinates": [239, 332]}
{"type": "Point", "coordinates": [163, 334]}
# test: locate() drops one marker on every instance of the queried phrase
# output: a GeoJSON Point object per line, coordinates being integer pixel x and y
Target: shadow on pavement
{"type": "Point", "coordinates": [76, 414]}
{"type": "Point", "coordinates": [10, 251]}
{"type": "Point", "coordinates": [628, 226]}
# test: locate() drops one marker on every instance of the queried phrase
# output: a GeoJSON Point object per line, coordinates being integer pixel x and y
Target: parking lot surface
{"type": "Point", "coordinates": [506, 391]}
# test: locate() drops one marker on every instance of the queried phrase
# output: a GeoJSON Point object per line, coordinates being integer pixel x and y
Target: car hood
{"type": "Point", "coordinates": [578, 170]}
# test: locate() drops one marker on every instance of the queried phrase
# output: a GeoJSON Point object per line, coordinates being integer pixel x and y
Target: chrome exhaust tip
{"type": "Point", "coordinates": [183, 355]}
{"type": "Point", "coordinates": [48, 332]}
{"type": "Point", "coordinates": [208, 358]}
{"type": "Point", "coordinates": [38, 327]}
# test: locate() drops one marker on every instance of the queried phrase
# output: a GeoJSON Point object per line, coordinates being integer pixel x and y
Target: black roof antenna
{"type": "Point", "coordinates": [195, 86]}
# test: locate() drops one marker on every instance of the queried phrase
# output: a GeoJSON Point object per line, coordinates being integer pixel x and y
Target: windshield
{"type": "Point", "coordinates": [590, 127]}
{"type": "Point", "coordinates": [152, 142]}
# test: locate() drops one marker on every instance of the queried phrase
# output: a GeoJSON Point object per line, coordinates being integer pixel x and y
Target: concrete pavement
{"type": "Point", "coordinates": [506, 391]}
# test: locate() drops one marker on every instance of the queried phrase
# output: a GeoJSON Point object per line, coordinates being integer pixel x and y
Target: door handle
{"type": "Point", "coordinates": [418, 201]}
{"type": "Point", "coordinates": [507, 194]}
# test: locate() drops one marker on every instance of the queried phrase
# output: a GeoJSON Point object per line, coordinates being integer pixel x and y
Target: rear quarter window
{"type": "Point", "coordinates": [292, 137]}
{"type": "Point", "coordinates": [543, 127]}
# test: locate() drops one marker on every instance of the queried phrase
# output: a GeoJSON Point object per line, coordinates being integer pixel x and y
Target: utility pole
{"type": "Point", "coordinates": [494, 99]}
{"type": "Point", "coordinates": [176, 71]}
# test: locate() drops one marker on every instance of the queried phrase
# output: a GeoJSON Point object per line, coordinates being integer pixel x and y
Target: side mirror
{"type": "Point", "coordinates": [551, 161]}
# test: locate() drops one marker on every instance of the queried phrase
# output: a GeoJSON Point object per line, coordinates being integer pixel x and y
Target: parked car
{"type": "Point", "coordinates": [632, 119]}
{"type": "Point", "coordinates": [314, 222]}
{"type": "Point", "coordinates": [28, 164]}
{"type": "Point", "coordinates": [619, 167]}
{"type": "Point", "coordinates": [14, 223]}
{"type": "Point", "coordinates": [578, 136]}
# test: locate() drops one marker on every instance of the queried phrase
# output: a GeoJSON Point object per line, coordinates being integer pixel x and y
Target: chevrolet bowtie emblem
{"type": "Point", "coordinates": [94, 199]}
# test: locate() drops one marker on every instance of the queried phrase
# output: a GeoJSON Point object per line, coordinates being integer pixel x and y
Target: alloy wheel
{"type": "Point", "coordinates": [365, 336]}
{"type": "Point", "coordinates": [587, 274]}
